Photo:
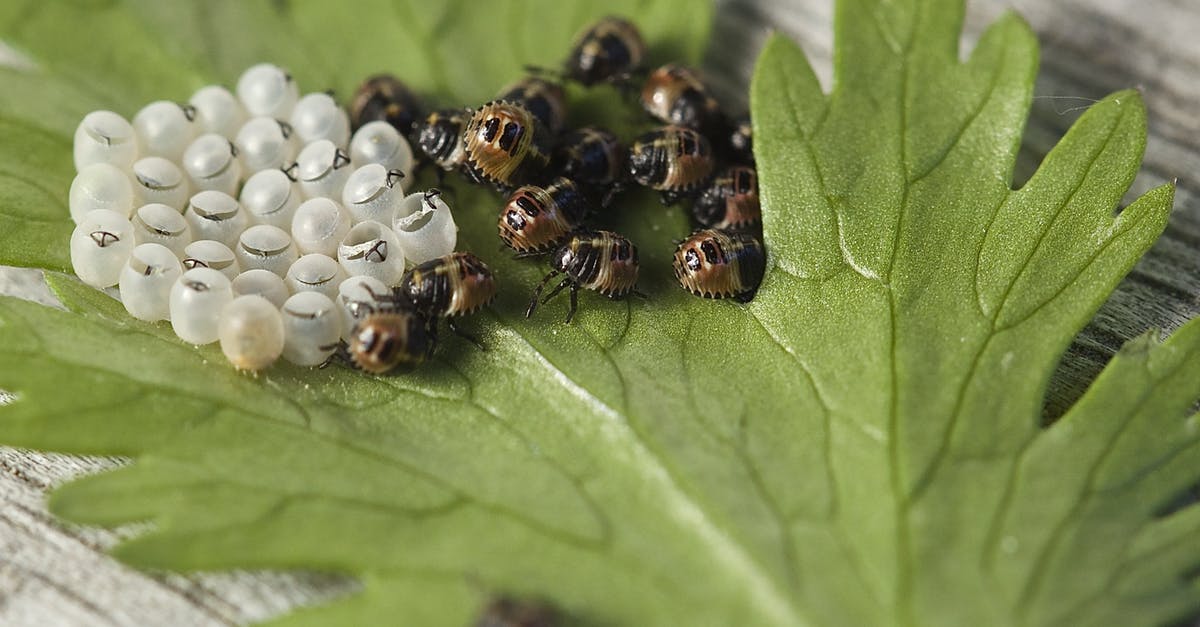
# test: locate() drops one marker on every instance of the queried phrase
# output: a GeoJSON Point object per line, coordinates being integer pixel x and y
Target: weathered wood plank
{"type": "Point", "coordinates": [52, 574]}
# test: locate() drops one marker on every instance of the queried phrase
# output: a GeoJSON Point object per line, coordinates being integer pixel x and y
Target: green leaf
{"type": "Point", "coordinates": [860, 445]}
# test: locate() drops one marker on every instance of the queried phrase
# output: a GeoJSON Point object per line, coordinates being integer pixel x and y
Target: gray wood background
{"type": "Point", "coordinates": [55, 574]}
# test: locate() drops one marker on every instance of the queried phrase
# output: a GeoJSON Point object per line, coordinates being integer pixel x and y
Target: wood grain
{"type": "Point", "coordinates": [53, 574]}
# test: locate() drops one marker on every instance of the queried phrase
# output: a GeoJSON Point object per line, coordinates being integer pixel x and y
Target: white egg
{"type": "Point", "coordinates": [211, 163]}
{"type": "Point", "coordinates": [379, 142]}
{"type": "Point", "coordinates": [318, 116]}
{"type": "Point", "coordinates": [217, 111]}
{"type": "Point", "coordinates": [267, 89]}
{"type": "Point", "coordinates": [157, 180]}
{"type": "Point", "coordinates": [312, 328]}
{"type": "Point", "coordinates": [100, 246]}
{"type": "Point", "coordinates": [105, 137]}
{"type": "Point", "coordinates": [206, 253]}
{"type": "Point", "coordinates": [315, 272]}
{"type": "Point", "coordinates": [266, 247]}
{"type": "Point", "coordinates": [262, 283]}
{"type": "Point", "coordinates": [373, 193]}
{"type": "Point", "coordinates": [358, 297]}
{"type": "Point", "coordinates": [264, 143]}
{"type": "Point", "coordinates": [371, 249]}
{"type": "Point", "coordinates": [164, 129]}
{"type": "Point", "coordinates": [270, 197]}
{"type": "Point", "coordinates": [196, 301]}
{"type": "Point", "coordinates": [217, 216]}
{"type": "Point", "coordinates": [100, 186]}
{"type": "Point", "coordinates": [251, 332]}
{"type": "Point", "coordinates": [425, 227]}
{"type": "Point", "coordinates": [319, 226]}
{"type": "Point", "coordinates": [160, 224]}
{"type": "Point", "coordinates": [322, 169]}
{"type": "Point", "coordinates": [146, 281]}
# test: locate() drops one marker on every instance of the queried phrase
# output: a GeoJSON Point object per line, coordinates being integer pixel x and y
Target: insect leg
{"type": "Point", "coordinates": [574, 302]}
{"type": "Point", "coordinates": [558, 288]}
{"type": "Point", "coordinates": [464, 335]}
{"type": "Point", "coordinates": [537, 292]}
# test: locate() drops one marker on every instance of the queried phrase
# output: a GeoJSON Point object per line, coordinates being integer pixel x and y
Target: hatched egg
{"type": "Point", "coordinates": [263, 283]}
{"type": "Point", "coordinates": [267, 89]}
{"type": "Point", "coordinates": [371, 249]}
{"type": "Point", "coordinates": [264, 143]}
{"type": "Point", "coordinates": [357, 298]}
{"type": "Point", "coordinates": [270, 197]}
{"type": "Point", "coordinates": [100, 186]}
{"type": "Point", "coordinates": [266, 247]}
{"type": "Point", "coordinates": [318, 116]}
{"type": "Point", "coordinates": [425, 227]}
{"type": "Point", "coordinates": [157, 180]}
{"type": "Point", "coordinates": [100, 246]}
{"type": "Point", "coordinates": [217, 216]}
{"type": "Point", "coordinates": [251, 332]}
{"type": "Point", "coordinates": [211, 163]}
{"type": "Point", "coordinates": [319, 226]}
{"type": "Point", "coordinates": [146, 281]}
{"type": "Point", "coordinates": [105, 137]}
{"type": "Point", "coordinates": [315, 272]}
{"type": "Point", "coordinates": [196, 301]}
{"type": "Point", "coordinates": [322, 169]}
{"type": "Point", "coordinates": [312, 328]}
{"type": "Point", "coordinates": [206, 253]}
{"type": "Point", "coordinates": [161, 224]}
{"type": "Point", "coordinates": [164, 129]}
{"type": "Point", "coordinates": [217, 111]}
{"type": "Point", "coordinates": [380, 142]}
{"type": "Point", "coordinates": [373, 193]}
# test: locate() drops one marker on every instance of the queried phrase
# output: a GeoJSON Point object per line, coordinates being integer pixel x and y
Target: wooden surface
{"type": "Point", "coordinates": [53, 574]}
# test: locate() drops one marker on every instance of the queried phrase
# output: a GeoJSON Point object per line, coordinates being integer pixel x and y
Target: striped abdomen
{"type": "Point", "coordinates": [730, 201]}
{"type": "Point", "coordinates": [454, 285]}
{"type": "Point", "coordinates": [717, 264]}
{"type": "Point", "coordinates": [590, 155]}
{"type": "Point", "coordinates": [536, 219]}
{"type": "Point", "coordinates": [671, 159]}
{"type": "Point", "coordinates": [500, 146]}
{"type": "Point", "coordinates": [599, 260]}
{"type": "Point", "coordinates": [440, 137]}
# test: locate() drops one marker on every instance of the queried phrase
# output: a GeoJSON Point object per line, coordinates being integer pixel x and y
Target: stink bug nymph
{"type": "Point", "coordinates": [719, 264]}
{"type": "Point", "coordinates": [609, 50]}
{"type": "Point", "coordinates": [674, 160]}
{"type": "Point", "coordinates": [674, 94]}
{"type": "Point", "coordinates": [596, 260]}
{"type": "Point", "coordinates": [730, 201]}
{"type": "Point", "coordinates": [440, 137]}
{"type": "Point", "coordinates": [503, 143]}
{"type": "Point", "coordinates": [590, 155]}
{"type": "Point", "coordinates": [536, 219]}
{"type": "Point", "coordinates": [447, 287]}
{"type": "Point", "coordinates": [384, 340]}
{"type": "Point", "coordinates": [384, 97]}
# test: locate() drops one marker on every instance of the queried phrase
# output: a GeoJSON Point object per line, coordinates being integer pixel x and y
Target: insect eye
{"type": "Point", "coordinates": [515, 221]}
{"type": "Point", "coordinates": [692, 260]}
{"type": "Point", "coordinates": [711, 254]}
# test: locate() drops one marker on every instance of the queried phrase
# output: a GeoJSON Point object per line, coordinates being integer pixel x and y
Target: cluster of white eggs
{"type": "Point", "coordinates": [255, 220]}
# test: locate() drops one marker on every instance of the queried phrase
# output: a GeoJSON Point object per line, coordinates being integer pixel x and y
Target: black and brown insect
{"type": "Point", "coordinates": [596, 260]}
{"type": "Point", "coordinates": [504, 145]}
{"type": "Point", "coordinates": [384, 97]}
{"type": "Point", "coordinates": [448, 287]}
{"type": "Point", "coordinates": [674, 160]}
{"type": "Point", "coordinates": [674, 94]}
{"type": "Point", "coordinates": [730, 202]}
{"type": "Point", "coordinates": [440, 137]}
{"type": "Point", "coordinates": [610, 50]}
{"type": "Point", "coordinates": [508, 612]}
{"type": "Point", "coordinates": [390, 338]}
{"type": "Point", "coordinates": [720, 264]}
{"type": "Point", "coordinates": [545, 99]}
{"type": "Point", "coordinates": [590, 155]}
{"type": "Point", "coordinates": [536, 219]}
